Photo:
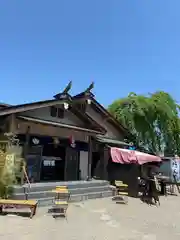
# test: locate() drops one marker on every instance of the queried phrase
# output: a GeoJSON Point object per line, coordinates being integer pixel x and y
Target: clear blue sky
{"type": "Point", "coordinates": [123, 45]}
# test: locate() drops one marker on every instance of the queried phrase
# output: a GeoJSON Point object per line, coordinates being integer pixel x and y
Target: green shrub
{"type": "Point", "coordinates": [7, 180]}
{"type": "Point", "coordinates": [5, 191]}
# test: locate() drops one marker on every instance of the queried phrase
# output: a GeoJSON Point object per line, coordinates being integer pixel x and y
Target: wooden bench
{"type": "Point", "coordinates": [8, 203]}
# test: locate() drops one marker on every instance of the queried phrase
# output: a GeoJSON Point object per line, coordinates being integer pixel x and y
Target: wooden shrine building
{"type": "Point", "coordinates": [65, 138]}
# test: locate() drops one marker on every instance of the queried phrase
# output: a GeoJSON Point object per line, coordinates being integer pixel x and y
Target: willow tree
{"type": "Point", "coordinates": [152, 120]}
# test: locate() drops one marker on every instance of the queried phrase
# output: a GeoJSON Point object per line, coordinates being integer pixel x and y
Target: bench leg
{"type": "Point", "coordinates": [33, 211]}
{"type": "Point", "coordinates": [1, 209]}
{"type": "Point", "coordinates": [31, 214]}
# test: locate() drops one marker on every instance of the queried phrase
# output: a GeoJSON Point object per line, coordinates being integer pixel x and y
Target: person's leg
{"type": "Point", "coordinates": [155, 193]}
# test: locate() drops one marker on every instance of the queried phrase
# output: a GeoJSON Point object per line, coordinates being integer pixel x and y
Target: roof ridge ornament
{"type": "Point", "coordinates": [88, 90]}
{"type": "Point", "coordinates": [65, 92]}
{"type": "Point", "coordinates": [67, 88]}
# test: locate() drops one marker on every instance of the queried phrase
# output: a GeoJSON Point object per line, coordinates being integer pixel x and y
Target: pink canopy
{"type": "Point", "coordinates": [125, 156]}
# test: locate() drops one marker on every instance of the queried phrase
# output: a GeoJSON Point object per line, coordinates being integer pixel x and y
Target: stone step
{"type": "Point", "coordinates": [76, 198]}
{"type": "Point", "coordinates": [74, 191]}
{"type": "Point", "coordinates": [79, 190]}
{"type": "Point", "coordinates": [39, 187]}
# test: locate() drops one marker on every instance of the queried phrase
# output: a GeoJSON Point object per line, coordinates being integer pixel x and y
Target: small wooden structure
{"type": "Point", "coordinates": [121, 195]}
{"type": "Point", "coordinates": [62, 196]}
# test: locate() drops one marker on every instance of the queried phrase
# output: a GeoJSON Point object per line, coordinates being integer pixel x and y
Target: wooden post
{"type": "Point", "coordinates": [12, 127]}
{"type": "Point", "coordinates": [25, 151]}
{"type": "Point", "coordinates": [105, 163]}
{"type": "Point", "coordinates": [89, 157]}
{"type": "Point", "coordinates": [26, 145]}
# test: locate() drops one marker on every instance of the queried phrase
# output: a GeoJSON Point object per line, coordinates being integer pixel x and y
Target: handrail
{"type": "Point", "coordinates": [29, 184]}
{"type": "Point", "coordinates": [27, 179]}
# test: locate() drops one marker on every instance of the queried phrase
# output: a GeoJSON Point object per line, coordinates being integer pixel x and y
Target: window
{"type": "Point", "coordinates": [57, 112]}
{"type": "Point", "coordinates": [60, 113]}
{"type": "Point", "coordinates": [53, 111]}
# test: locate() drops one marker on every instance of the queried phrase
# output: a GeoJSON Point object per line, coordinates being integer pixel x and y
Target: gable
{"type": "Point", "coordinates": [98, 113]}
{"type": "Point", "coordinates": [45, 114]}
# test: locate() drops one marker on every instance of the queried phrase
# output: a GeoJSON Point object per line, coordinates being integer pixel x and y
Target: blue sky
{"type": "Point", "coordinates": [122, 45]}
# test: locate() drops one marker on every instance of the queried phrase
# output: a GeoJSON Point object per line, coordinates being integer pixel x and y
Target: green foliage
{"type": "Point", "coordinates": [7, 180]}
{"type": "Point", "coordinates": [11, 168]}
{"type": "Point", "coordinates": [153, 120]}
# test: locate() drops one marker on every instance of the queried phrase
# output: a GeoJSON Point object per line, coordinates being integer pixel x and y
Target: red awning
{"type": "Point", "coordinates": [125, 156]}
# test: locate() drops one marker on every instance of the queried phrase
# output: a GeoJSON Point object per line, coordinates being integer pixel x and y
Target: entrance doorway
{"type": "Point", "coordinates": [53, 163]}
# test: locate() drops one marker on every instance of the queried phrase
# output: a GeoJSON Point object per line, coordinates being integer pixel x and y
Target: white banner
{"type": "Point", "coordinates": [175, 170]}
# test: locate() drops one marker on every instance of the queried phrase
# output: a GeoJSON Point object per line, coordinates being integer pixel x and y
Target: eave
{"type": "Point", "coordinates": [30, 106]}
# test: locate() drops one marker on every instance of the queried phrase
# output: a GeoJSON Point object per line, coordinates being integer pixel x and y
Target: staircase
{"type": "Point", "coordinates": [79, 190]}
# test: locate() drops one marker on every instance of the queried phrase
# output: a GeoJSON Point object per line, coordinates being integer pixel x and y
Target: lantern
{"type": "Point", "coordinates": [72, 142]}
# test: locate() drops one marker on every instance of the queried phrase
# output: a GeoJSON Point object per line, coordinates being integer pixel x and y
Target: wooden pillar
{"type": "Point", "coordinates": [27, 139]}
{"type": "Point", "coordinates": [105, 163]}
{"type": "Point", "coordinates": [12, 125]}
{"type": "Point", "coordinates": [25, 152]}
{"type": "Point", "coordinates": [89, 157]}
{"type": "Point", "coordinates": [101, 165]}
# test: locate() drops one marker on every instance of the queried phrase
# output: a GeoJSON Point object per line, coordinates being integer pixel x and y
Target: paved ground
{"type": "Point", "coordinates": [99, 219]}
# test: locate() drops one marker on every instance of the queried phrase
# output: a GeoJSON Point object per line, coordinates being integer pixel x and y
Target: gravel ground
{"type": "Point", "coordinates": [99, 219]}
